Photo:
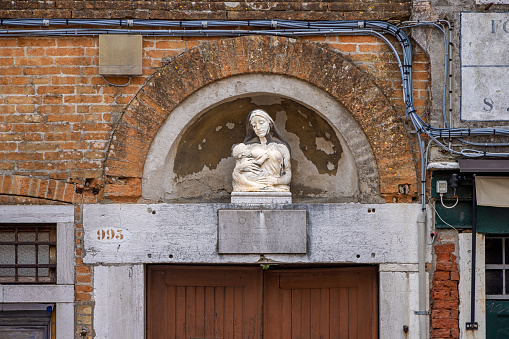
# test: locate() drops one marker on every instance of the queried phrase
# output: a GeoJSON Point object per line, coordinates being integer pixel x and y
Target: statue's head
{"type": "Point", "coordinates": [261, 122]}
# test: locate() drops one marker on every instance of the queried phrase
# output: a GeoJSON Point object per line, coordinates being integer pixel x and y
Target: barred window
{"type": "Point", "coordinates": [28, 253]}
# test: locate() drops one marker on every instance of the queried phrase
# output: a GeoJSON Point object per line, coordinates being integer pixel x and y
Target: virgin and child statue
{"type": "Point", "coordinates": [263, 159]}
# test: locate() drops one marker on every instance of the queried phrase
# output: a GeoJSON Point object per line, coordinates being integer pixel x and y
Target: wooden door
{"type": "Point", "coordinates": [321, 303]}
{"type": "Point", "coordinates": [204, 302]}
{"type": "Point", "coordinates": [226, 302]}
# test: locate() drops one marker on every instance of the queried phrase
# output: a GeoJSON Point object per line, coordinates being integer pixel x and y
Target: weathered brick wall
{"type": "Point", "coordinates": [445, 295]}
{"type": "Point", "coordinates": [57, 114]}
{"type": "Point", "coordinates": [220, 10]}
{"type": "Point", "coordinates": [83, 283]}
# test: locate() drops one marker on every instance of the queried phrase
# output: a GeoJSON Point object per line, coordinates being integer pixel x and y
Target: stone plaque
{"type": "Point", "coordinates": [484, 66]}
{"type": "Point", "coordinates": [262, 231]}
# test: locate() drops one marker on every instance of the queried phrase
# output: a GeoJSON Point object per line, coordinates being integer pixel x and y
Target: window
{"type": "Point", "coordinates": [28, 253]}
{"type": "Point", "coordinates": [37, 268]}
{"type": "Point", "coordinates": [35, 323]}
{"type": "Point", "coordinates": [497, 267]}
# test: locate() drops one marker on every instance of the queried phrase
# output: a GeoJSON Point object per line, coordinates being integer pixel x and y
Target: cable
{"type": "Point", "coordinates": [439, 217]}
{"type": "Point", "coordinates": [442, 201]}
{"type": "Point", "coordinates": [125, 85]}
{"type": "Point", "coordinates": [412, 24]}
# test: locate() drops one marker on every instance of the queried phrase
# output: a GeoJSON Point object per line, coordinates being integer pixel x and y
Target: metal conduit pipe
{"type": "Point", "coordinates": [422, 230]}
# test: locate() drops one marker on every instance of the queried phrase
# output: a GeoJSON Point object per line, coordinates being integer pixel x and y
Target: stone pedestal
{"type": "Point", "coordinates": [261, 198]}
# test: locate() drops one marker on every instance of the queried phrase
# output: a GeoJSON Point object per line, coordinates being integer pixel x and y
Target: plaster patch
{"type": "Point", "coordinates": [231, 5]}
{"type": "Point", "coordinates": [218, 128]}
{"type": "Point", "coordinates": [230, 125]}
{"type": "Point", "coordinates": [261, 6]}
{"type": "Point", "coordinates": [324, 145]}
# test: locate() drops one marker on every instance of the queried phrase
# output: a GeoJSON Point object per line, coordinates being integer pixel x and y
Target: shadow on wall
{"type": "Point", "coordinates": [323, 167]}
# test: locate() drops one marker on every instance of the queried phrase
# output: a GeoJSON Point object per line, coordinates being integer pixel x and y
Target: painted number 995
{"type": "Point", "coordinates": [110, 234]}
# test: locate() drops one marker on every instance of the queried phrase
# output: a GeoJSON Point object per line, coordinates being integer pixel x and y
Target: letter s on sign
{"type": "Point", "coordinates": [489, 103]}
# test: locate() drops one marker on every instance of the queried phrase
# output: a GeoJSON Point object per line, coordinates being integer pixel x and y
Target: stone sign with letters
{"type": "Point", "coordinates": [484, 66]}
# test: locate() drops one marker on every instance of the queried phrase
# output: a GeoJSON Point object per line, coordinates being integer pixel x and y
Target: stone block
{"type": "Point", "coordinates": [261, 198]}
{"type": "Point", "coordinates": [262, 231]}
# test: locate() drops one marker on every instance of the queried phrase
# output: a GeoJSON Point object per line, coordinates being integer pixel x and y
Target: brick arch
{"type": "Point", "coordinates": [39, 189]}
{"type": "Point", "coordinates": [317, 64]}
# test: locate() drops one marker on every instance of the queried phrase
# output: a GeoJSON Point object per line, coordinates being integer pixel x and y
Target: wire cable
{"type": "Point", "coordinates": [112, 84]}
{"type": "Point", "coordinates": [442, 201]}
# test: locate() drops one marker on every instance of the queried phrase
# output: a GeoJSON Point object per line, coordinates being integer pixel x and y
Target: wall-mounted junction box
{"type": "Point", "coordinates": [441, 186]}
{"type": "Point", "coordinates": [120, 54]}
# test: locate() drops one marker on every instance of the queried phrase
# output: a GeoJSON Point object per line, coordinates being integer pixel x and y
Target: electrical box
{"type": "Point", "coordinates": [120, 54]}
{"type": "Point", "coordinates": [441, 186]}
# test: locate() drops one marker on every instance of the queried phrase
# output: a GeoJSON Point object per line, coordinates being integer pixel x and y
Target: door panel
{"type": "Point", "coordinates": [320, 303]}
{"type": "Point", "coordinates": [497, 319]}
{"type": "Point", "coordinates": [204, 302]}
{"type": "Point", "coordinates": [226, 302]}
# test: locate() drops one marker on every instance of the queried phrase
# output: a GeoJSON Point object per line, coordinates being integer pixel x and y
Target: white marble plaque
{"type": "Point", "coordinates": [484, 66]}
{"type": "Point", "coordinates": [262, 231]}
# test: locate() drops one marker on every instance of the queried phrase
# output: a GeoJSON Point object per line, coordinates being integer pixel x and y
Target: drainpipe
{"type": "Point", "coordinates": [473, 325]}
{"type": "Point", "coordinates": [422, 313]}
{"type": "Point", "coordinates": [421, 250]}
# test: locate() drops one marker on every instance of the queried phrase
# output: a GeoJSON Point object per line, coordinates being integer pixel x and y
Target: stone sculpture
{"type": "Point", "coordinates": [263, 159]}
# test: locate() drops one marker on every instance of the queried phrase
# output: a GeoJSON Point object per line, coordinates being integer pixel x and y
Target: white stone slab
{"type": "Point", "coordinates": [119, 302]}
{"type": "Point", "coordinates": [65, 320]}
{"type": "Point", "coordinates": [65, 253]}
{"type": "Point", "coordinates": [399, 268]}
{"type": "Point", "coordinates": [444, 165]}
{"type": "Point", "coordinates": [465, 268]}
{"type": "Point", "coordinates": [495, 2]}
{"type": "Point", "coordinates": [484, 66]}
{"type": "Point", "coordinates": [399, 298]}
{"type": "Point", "coordinates": [261, 198]}
{"type": "Point", "coordinates": [37, 293]}
{"type": "Point", "coordinates": [262, 231]}
{"type": "Point", "coordinates": [26, 307]}
{"type": "Point", "coordinates": [36, 213]}
{"type": "Point", "coordinates": [187, 233]}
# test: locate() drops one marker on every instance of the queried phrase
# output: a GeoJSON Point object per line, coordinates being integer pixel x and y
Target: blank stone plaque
{"type": "Point", "coordinates": [262, 231]}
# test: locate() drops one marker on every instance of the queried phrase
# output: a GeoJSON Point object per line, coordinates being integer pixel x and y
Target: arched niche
{"type": "Point", "coordinates": [189, 158]}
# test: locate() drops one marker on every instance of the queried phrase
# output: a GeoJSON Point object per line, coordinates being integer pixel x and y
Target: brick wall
{"type": "Point", "coordinates": [219, 10]}
{"type": "Point", "coordinates": [57, 115]}
{"type": "Point", "coordinates": [445, 295]}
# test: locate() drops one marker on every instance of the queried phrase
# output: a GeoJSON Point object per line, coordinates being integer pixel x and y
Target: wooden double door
{"type": "Point", "coordinates": [195, 302]}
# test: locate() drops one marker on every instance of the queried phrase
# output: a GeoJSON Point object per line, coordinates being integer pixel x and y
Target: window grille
{"type": "Point", "coordinates": [28, 253]}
